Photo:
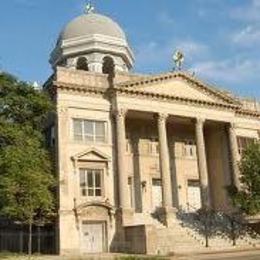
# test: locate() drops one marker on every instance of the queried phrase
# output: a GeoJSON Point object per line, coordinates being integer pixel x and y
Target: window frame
{"type": "Point", "coordinates": [247, 141]}
{"type": "Point", "coordinates": [95, 138]}
{"type": "Point", "coordinates": [189, 145]}
{"type": "Point", "coordinates": [86, 188]}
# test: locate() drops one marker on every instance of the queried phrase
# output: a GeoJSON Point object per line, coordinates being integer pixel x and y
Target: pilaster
{"type": "Point", "coordinates": [124, 200]}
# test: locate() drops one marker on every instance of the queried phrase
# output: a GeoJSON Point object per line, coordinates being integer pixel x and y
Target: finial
{"type": "Point", "coordinates": [89, 8]}
{"type": "Point", "coordinates": [178, 58]}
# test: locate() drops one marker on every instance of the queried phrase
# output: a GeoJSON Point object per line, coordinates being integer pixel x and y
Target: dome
{"type": "Point", "coordinates": [92, 37]}
{"type": "Point", "coordinates": [90, 24]}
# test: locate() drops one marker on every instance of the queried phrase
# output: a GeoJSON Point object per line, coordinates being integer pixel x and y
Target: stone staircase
{"type": "Point", "coordinates": [220, 235]}
{"type": "Point", "coordinates": [146, 219]}
{"type": "Point", "coordinates": [186, 235]}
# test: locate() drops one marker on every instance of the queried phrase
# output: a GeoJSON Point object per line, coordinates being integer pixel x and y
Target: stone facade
{"type": "Point", "coordinates": [132, 150]}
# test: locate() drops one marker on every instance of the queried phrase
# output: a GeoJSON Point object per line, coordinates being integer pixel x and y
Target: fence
{"type": "Point", "coordinates": [43, 241]}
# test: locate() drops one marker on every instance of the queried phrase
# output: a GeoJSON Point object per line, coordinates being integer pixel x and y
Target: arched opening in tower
{"type": "Point", "coordinates": [82, 64]}
{"type": "Point", "coordinates": [108, 66]}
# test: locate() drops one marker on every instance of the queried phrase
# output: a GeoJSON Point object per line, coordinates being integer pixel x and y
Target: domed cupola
{"type": "Point", "coordinates": [92, 42]}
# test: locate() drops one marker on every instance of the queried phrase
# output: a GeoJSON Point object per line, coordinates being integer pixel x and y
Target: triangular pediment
{"type": "Point", "coordinates": [91, 154]}
{"type": "Point", "coordinates": [181, 85]}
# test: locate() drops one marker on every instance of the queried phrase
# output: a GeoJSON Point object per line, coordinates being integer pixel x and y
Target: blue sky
{"type": "Point", "coordinates": [220, 38]}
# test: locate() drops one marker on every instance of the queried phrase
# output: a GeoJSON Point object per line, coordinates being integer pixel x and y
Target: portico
{"type": "Point", "coordinates": [164, 159]}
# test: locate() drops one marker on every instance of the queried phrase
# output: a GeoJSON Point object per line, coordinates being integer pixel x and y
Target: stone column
{"type": "Point", "coordinates": [234, 154]}
{"type": "Point", "coordinates": [124, 200]}
{"type": "Point", "coordinates": [202, 162]}
{"type": "Point", "coordinates": [164, 161]}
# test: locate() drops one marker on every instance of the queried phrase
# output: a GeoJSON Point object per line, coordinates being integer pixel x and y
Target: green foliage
{"type": "Point", "coordinates": [26, 168]}
{"type": "Point", "coordinates": [247, 199]}
{"type": "Point", "coordinates": [20, 103]}
{"type": "Point", "coordinates": [26, 178]}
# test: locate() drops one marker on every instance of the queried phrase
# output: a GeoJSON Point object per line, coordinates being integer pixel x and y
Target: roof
{"type": "Point", "coordinates": [90, 24]}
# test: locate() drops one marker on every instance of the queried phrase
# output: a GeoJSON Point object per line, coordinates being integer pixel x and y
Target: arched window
{"type": "Point", "coordinates": [108, 66]}
{"type": "Point", "coordinates": [82, 64]}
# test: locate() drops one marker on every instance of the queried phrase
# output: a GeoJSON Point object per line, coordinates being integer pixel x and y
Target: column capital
{"type": "Point", "coordinates": [121, 112]}
{"type": "Point", "coordinates": [161, 117]}
{"type": "Point", "coordinates": [200, 120]}
{"type": "Point", "coordinates": [232, 125]}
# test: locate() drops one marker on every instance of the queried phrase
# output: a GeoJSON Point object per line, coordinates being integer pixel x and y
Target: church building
{"type": "Point", "coordinates": [132, 150]}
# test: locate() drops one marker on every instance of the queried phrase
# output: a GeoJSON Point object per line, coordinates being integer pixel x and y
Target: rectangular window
{"type": "Point", "coordinates": [91, 182]}
{"type": "Point", "coordinates": [154, 146]}
{"type": "Point", "coordinates": [77, 127]}
{"type": "Point", "coordinates": [243, 143]}
{"type": "Point", "coordinates": [89, 131]}
{"type": "Point", "coordinates": [189, 148]}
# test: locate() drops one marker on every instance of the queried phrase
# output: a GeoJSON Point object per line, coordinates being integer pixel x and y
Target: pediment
{"type": "Point", "coordinates": [180, 85]}
{"type": "Point", "coordinates": [92, 155]}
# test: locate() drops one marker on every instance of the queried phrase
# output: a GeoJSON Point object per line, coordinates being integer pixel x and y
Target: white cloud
{"type": "Point", "coordinates": [192, 49]}
{"type": "Point", "coordinates": [154, 53]}
{"type": "Point", "coordinates": [247, 37]}
{"type": "Point", "coordinates": [165, 19]}
{"type": "Point", "coordinates": [250, 12]}
{"type": "Point", "coordinates": [229, 71]}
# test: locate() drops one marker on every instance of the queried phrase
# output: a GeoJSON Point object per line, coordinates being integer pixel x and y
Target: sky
{"type": "Point", "coordinates": [220, 38]}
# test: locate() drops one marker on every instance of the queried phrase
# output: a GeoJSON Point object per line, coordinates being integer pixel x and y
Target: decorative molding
{"type": "Point", "coordinates": [111, 93]}
{"type": "Point", "coordinates": [121, 112]}
{"type": "Point", "coordinates": [184, 76]}
{"type": "Point", "coordinates": [103, 156]}
{"type": "Point", "coordinates": [157, 96]}
{"type": "Point", "coordinates": [200, 121]}
{"type": "Point", "coordinates": [162, 117]}
{"type": "Point", "coordinates": [62, 110]}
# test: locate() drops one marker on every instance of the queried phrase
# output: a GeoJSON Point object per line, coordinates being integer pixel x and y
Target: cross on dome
{"type": "Point", "coordinates": [89, 8]}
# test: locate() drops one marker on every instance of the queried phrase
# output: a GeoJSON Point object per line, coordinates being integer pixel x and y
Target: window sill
{"type": "Point", "coordinates": [186, 158]}
{"type": "Point", "coordinates": [90, 144]}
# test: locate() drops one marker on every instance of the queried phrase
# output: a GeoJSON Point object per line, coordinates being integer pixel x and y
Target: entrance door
{"type": "Point", "coordinates": [92, 237]}
{"type": "Point", "coordinates": [194, 197]}
{"type": "Point", "coordinates": [156, 193]}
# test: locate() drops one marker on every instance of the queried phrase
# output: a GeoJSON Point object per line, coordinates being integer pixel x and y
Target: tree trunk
{"type": "Point", "coordinates": [30, 239]}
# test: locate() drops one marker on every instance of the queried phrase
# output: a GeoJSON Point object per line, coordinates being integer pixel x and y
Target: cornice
{"type": "Point", "coordinates": [157, 96]}
{"type": "Point", "coordinates": [188, 78]}
{"type": "Point", "coordinates": [248, 113]}
{"type": "Point", "coordinates": [154, 96]}
{"type": "Point", "coordinates": [79, 88]}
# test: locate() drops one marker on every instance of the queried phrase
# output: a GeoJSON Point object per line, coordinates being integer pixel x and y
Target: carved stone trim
{"type": "Point", "coordinates": [155, 96]}
{"type": "Point", "coordinates": [162, 117]}
{"type": "Point", "coordinates": [121, 112]}
{"type": "Point", "coordinates": [200, 121]}
{"type": "Point", "coordinates": [185, 76]}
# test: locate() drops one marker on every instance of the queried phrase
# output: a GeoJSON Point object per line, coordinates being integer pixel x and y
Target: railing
{"type": "Point", "coordinates": [209, 223]}
{"type": "Point", "coordinates": [17, 241]}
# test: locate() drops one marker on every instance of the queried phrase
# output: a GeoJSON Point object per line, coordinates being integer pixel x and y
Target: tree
{"type": "Point", "coordinates": [247, 199]}
{"type": "Point", "coordinates": [26, 168]}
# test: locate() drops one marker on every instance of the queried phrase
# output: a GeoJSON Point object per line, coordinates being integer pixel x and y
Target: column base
{"type": "Point", "coordinates": [125, 216]}
{"type": "Point", "coordinates": [168, 216]}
